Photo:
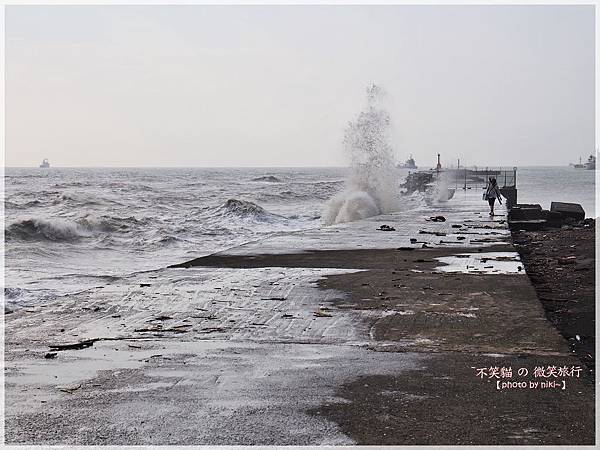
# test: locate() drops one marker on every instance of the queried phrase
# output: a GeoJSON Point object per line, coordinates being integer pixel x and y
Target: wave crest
{"type": "Point", "coordinates": [267, 178]}
{"type": "Point", "coordinates": [247, 210]}
{"type": "Point", "coordinates": [44, 229]}
{"type": "Point", "coordinates": [41, 229]}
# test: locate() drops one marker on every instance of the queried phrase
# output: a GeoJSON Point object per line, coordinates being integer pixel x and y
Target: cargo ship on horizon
{"type": "Point", "coordinates": [408, 164]}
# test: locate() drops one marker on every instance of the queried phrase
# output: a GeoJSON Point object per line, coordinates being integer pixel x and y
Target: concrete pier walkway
{"type": "Point", "coordinates": [429, 334]}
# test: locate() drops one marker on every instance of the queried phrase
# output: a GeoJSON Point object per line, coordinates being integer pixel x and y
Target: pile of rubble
{"type": "Point", "coordinates": [531, 217]}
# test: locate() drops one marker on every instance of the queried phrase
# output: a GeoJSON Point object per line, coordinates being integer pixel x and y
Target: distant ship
{"type": "Point", "coordinates": [591, 163]}
{"type": "Point", "coordinates": [45, 164]}
{"type": "Point", "coordinates": [578, 166]}
{"type": "Point", "coordinates": [409, 164]}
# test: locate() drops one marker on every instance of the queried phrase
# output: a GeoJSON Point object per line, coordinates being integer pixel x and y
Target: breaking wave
{"type": "Point", "coordinates": [268, 178]}
{"type": "Point", "coordinates": [349, 206]}
{"type": "Point", "coordinates": [371, 187]}
{"type": "Point", "coordinates": [44, 229]}
{"type": "Point", "coordinates": [62, 230]}
{"type": "Point", "coordinates": [234, 208]}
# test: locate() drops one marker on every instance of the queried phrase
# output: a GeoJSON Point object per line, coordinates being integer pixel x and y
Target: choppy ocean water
{"type": "Point", "coordinates": [71, 229]}
{"type": "Point", "coordinates": [66, 229]}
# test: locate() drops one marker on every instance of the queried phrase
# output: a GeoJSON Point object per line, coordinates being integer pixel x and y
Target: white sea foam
{"type": "Point", "coordinates": [371, 187]}
{"type": "Point", "coordinates": [440, 192]}
{"type": "Point", "coordinates": [349, 206]}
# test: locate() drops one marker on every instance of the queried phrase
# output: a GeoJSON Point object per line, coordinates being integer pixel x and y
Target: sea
{"type": "Point", "coordinates": [71, 229]}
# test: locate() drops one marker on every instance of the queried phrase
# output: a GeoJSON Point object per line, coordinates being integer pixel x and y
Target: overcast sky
{"type": "Point", "coordinates": [275, 85]}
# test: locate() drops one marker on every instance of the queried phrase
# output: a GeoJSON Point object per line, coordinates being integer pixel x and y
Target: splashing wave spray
{"type": "Point", "coordinates": [371, 187]}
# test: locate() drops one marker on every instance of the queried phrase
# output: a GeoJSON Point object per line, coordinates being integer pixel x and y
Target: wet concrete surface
{"type": "Point", "coordinates": [207, 392]}
{"type": "Point", "coordinates": [444, 402]}
{"type": "Point", "coordinates": [321, 345]}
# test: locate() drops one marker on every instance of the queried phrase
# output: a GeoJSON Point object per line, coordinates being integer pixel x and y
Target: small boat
{"type": "Point", "coordinates": [578, 166]}
{"type": "Point", "coordinates": [45, 164]}
{"type": "Point", "coordinates": [408, 164]}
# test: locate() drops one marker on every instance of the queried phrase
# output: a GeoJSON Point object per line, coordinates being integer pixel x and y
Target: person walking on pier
{"type": "Point", "coordinates": [492, 193]}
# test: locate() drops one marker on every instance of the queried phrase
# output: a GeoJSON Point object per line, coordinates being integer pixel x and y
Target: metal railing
{"type": "Point", "coordinates": [463, 177]}
{"type": "Point", "coordinates": [480, 177]}
{"type": "Point", "coordinates": [504, 178]}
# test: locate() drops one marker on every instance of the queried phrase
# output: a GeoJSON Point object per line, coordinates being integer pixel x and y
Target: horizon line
{"type": "Point", "coordinates": [276, 167]}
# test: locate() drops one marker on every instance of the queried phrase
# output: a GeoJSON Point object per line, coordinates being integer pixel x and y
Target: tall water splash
{"type": "Point", "coordinates": [371, 188]}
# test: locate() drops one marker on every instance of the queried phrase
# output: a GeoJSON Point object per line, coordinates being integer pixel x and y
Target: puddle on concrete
{"type": "Point", "coordinates": [498, 263]}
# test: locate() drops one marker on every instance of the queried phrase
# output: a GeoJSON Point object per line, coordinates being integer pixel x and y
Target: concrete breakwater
{"type": "Point", "coordinates": [532, 217]}
{"type": "Point", "coordinates": [558, 250]}
{"type": "Point", "coordinates": [341, 335]}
